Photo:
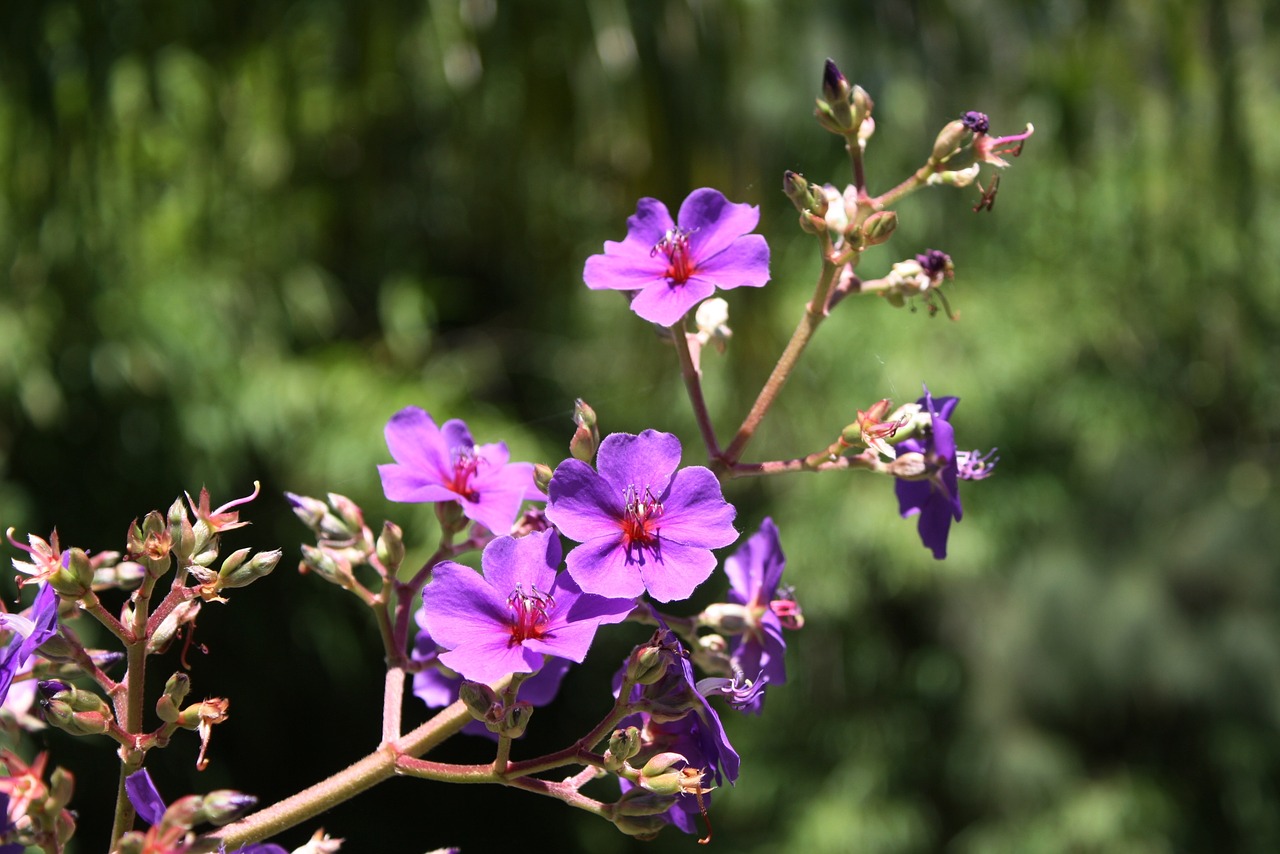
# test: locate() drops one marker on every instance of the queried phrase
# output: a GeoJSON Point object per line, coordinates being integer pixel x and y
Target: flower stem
{"type": "Point", "coordinates": [813, 316]}
{"type": "Point", "coordinates": [693, 385]}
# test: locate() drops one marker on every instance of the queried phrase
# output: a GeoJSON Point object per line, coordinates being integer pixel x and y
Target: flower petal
{"type": "Point", "coordinates": [694, 511]}
{"type": "Point", "coordinates": [645, 461]}
{"type": "Point", "coordinates": [714, 222]}
{"type": "Point", "coordinates": [677, 572]}
{"type": "Point", "coordinates": [461, 607]}
{"type": "Point", "coordinates": [665, 303]}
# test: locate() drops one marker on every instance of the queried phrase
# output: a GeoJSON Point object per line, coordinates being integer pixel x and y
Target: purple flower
{"type": "Point", "coordinates": [27, 634]}
{"type": "Point", "coordinates": [675, 265]}
{"type": "Point", "coordinates": [519, 611]}
{"type": "Point", "coordinates": [438, 687]}
{"type": "Point", "coordinates": [754, 571]}
{"type": "Point", "coordinates": [445, 464]}
{"type": "Point", "coordinates": [936, 498]}
{"type": "Point", "coordinates": [642, 524]}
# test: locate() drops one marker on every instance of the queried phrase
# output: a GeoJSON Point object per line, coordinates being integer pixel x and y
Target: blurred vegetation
{"type": "Point", "coordinates": [235, 237]}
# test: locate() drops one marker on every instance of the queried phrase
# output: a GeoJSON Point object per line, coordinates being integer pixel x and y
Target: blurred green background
{"type": "Point", "coordinates": [235, 237]}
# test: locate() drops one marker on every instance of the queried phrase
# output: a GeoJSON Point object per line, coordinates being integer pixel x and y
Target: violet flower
{"type": "Point", "coordinates": [755, 571]}
{"type": "Point", "coordinates": [445, 464]}
{"type": "Point", "coordinates": [936, 498]}
{"type": "Point", "coordinates": [672, 266]}
{"type": "Point", "coordinates": [40, 624]}
{"type": "Point", "coordinates": [520, 610]}
{"type": "Point", "coordinates": [642, 524]}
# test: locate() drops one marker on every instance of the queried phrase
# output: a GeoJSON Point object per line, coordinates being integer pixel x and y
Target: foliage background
{"type": "Point", "coordinates": [235, 237]}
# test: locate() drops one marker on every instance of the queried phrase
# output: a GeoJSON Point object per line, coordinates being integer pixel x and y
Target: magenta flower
{"type": "Point", "coordinates": [672, 266]}
{"type": "Point", "coordinates": [519, 611]}
{"type": "Point", "coordinates": [445, 464]}
{"type": "Point", "coordinates": [755, 571]}
{"type": "Point", "coordinates": [936, 498]}
{"type": "Point", "coordinates": [642, 524]}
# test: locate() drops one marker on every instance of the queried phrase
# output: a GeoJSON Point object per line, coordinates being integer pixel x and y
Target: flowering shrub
{"type": "Point", "coordinates": [486, 648]}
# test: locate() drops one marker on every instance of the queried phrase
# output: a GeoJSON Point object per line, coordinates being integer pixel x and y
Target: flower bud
{"type": "Point", "coordinates": [638, 802]}
{"type": "Point", "coordinates": [660, 776]}
{"type": "Point", "coordinates": [350, 513]}
{"type": "Point", "coordinates": [623, 744]}
{"type": "Point", "coordinates": [836, 94]}
{"type": "Point", "coordinates": [175, 692]}
{"type": "Point", "coordinates": [224, 806]}
{"type": "Point", "coordinates": [647, 664]}
{"type": "Point", "coordinates": [726, 618]}
{"type": "Point", "coordinates": [181, 534]}
{"type": "Point", "coordinates": [481, 700]}
{"type": "Point", "coordinates": [73, 710]}
{"type": "Point", "coordinates": [796, 188]}
{"type": "Point", "coordinates": [586, 438]}
{"type": "Point", "coordinates": [391, 547]}
{"type": "Point", "coordinates": [948, 141]}
{"type": "Point", "coordinates": [261, 564]}
{"type": "Point", "coordinates": [515, 718]}
{"type": "Point", "coordinates": [879, 227]}
{"type": "Point", "coordinates": [310, 510]}
{"type": "Point", "coordinates": [542, 477]}
{"type": "Point", "coordinates": [327, 566]}
{"type": "Point", "coordinates": [75, 578]}
{"type": "Point", "coordinates": [643, 827]}
{"type": "Point", "coordinates": [910, 466]}
{"type": "Point", "coordinates": [862, 107]}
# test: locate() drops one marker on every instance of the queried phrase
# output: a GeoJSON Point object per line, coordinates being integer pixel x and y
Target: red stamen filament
{"type": "Point", "coordinates": [530, 613]}
{"type": "Point", "coordinates": [640, 518]}
{"type": "Point", "coordinates": [675, 245]}
{"type": "Point", "coordinates": [465, 464]}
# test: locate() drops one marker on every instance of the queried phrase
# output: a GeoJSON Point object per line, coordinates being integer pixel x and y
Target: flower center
{"type": "Point", "coordinates": [530, 613]}
{"type": "Point", "coordinates": [465, 464]}
{"type": "Point", "coordinates": [640, 517]}
{"type": "Point", "coordinates": [675, 245]}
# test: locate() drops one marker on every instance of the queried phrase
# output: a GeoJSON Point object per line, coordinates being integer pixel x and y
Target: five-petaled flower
{"type": "Point", "coordinates": [935, 497]}
{"type": "Point", "coordinates": [520, 610]}
{"type": "Point", "coordinates": [673, 265]}
{"type": "Point", "coordinates": [445, 464]}
{"type": "Point", "coordinates": [642, 524]}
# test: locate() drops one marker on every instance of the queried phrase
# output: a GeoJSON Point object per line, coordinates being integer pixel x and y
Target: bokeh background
{"type": "Point", "coordinates": [235, 237]}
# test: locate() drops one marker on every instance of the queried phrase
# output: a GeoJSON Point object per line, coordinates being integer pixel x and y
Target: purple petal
{"type": "Point", "coordinates": [630, 272]}
{"type": "Point", "coordinates": [457, 437]}
{"type": "Point", "coordinates": [755, 569]}
{"type": "Point", "coordinates": [488, 658]}
{"type": "Point", "coordinates": [144, 796]}
{"type": "Point", "coordinates": [582, 504]}
{"type": "Point", "coordinates": [679, 571]}
{"type": "Point", "coordinates": [645, 461]}
{"type": "Point", "coordinates": [600, 566]}
{"type": "Point", "coordinates": [694, 511]}
{"type": "Point", "coordinates": [745, 263]}
{"type": "Point", "coordinates": [527, 562]}
{"type": "Point", "coordinates": [414, 441]}
{"type": "Point", "coordinates": [715, 222]}
{"type": "Point", "coordinates": [461, 607]}
{"type": "Point", "coordinates": [665, 303]}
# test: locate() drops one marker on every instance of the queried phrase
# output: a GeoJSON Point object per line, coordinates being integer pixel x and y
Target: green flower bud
{"type": "Point", "coordinates": [515, 718]}
{"type": "Point", "coordinates": [542, 477]}
{"type": "Point", "coordinates": [169, 705]}
{"type": "Point", "coordinates": [948, 141]}
{"type": "Point", "coordinates": [623, 744]}
{"type": "Point", "coordinates": [261, 564]}
{"type": "Point", "coordinates": [391, 547]}
{"type": "Point", "coordinates": [481, 701]}
{"type": "Point", "coordinates": [879, 227]}
{"type": "Point", "coordinates": [224, 806]}
{"type": "Point", "coordinates": [638, 802]}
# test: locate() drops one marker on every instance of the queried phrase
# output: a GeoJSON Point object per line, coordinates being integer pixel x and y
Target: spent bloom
{"type": "Point", "coordinates": [28, 632]}
{"type": "Point", "coordinates": [520, 610]}
{"type": "Point", "coordinates": [935, 497]}
{"type": "Point", "coordinates": [445, 464]}
{"type": "Point", "coordinates": [170, 824]}
{"type": "Point", "coordinates": [987, 148]}
{"type": "Point", "coordinates": [643, 524]}
{"type": "Point", "coordinates": [674, 265]}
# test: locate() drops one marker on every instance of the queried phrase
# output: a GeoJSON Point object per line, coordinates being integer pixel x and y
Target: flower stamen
{"type": "Point", "coordinates": [530, 613]}
{"type": "Point", "coordinates": [675, 245]}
